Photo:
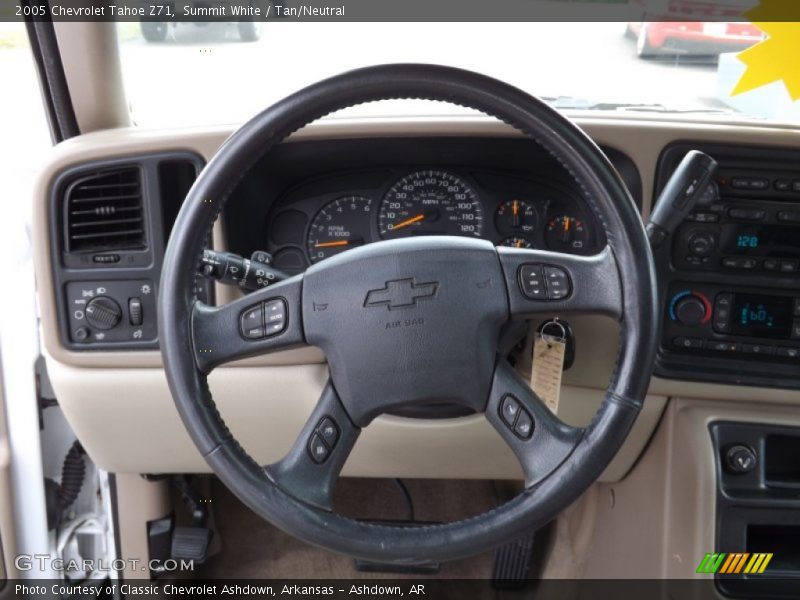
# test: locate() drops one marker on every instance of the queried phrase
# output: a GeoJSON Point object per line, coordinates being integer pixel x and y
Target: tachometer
{"type": "Point", "coordinates": [430, 203]}
{"type": "Point", "coordinates": [340, 225]}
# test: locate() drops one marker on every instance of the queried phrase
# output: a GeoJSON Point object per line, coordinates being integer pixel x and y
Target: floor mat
{"type": "Point", "coordinates": [252, 548]}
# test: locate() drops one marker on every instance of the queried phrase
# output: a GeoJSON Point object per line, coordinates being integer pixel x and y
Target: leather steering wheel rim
{"type": "Point", "coordinates": [190, 333]}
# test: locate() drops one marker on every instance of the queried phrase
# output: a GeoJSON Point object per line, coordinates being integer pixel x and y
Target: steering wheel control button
{"type": "Point", "coordinates": [318, 450]}
{"type": "Point", "coordinates": [524, 425]}
{"type": "Point", "coordinates": [274, 316]}
{"type": "Point", "coordinates": [328, 430]}
{"type": "Point", "coordinates": [509, 410]}
{"type": "Point", "coordinates": [517, 419]}
{"type": "Point", "coordinates": [541, 282]}
{"type": "Point", "coordinates": [531, 280]}
{"type": "Point", "coordinates": [557, 283]}
{"type": "Point", "coordinates": [252, 322]}
{"type": "Point", "coordinates": [103, 313]}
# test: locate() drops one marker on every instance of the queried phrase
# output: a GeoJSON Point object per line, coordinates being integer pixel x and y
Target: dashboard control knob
{"type": "Point", "coordinates": [740, 459]}
{"type": "Point", "coordinates": [691, 310]}
{"type": "Point", "coordinates": [103, 313]}
{"type": "Point", "coordinates": [701, 243]}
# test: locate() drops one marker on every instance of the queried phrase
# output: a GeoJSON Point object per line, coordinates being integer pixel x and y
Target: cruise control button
{"type": "Point", "coordinates": [252, 322]}
{"type": "Point", "coordinates": [531, 281]}
{"type": "Point", "coordinates": [329, 431]}
{"type": "Point", "coordinates": [524, 426]}
{"type": "Point", "coordinates": [317, 449]}
{"type": "Point", "coordinates": [557, 283]}
{"type": "Point", "coordinates": [509, 409]}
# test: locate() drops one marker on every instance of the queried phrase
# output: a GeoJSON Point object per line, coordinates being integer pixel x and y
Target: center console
{"type": "Point", "coordinates": [731, 277]}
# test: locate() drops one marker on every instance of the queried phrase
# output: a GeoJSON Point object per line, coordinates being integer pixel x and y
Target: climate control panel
{"type": "Point", "coordinates": [111, 312]}
{"type": "Point", "coordinates": [731, 322]}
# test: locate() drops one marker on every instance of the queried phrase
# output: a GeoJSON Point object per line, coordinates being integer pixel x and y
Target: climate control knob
{"type": "Point", "coordinates": [692, 310]}
{"type": "Point", "coordinates": [103, 313]}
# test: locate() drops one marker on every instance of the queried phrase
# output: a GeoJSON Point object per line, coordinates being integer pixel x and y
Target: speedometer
{"type": "Point", "coordinates": [430, 203]}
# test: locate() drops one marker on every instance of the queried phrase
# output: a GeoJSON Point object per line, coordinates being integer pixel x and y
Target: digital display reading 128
{"type": "Point", "coordinates": [761, 316]}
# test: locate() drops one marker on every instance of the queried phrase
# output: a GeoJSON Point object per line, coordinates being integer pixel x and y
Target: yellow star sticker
{"type": "Point", "coordinates": [777, 58]}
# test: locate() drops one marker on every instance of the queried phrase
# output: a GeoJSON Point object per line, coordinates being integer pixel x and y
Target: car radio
{"type": "Point", "coordinates": [756, 236]}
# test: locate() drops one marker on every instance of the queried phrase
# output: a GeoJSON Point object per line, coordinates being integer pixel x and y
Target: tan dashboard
{"type": "Point", "coordinates": [120, 407]}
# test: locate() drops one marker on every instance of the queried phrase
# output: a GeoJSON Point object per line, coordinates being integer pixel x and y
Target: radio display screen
{"type": "Point", "coordinates": [761, 316]}
{"type": "Point", "coordinates": [766, 240]}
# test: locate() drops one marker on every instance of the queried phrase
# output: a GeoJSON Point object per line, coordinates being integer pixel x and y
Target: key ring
{"type": "Point", "coordinates": [552, 338]}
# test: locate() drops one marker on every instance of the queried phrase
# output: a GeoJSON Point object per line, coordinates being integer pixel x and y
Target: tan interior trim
{"type": "Point", "coordinates": [670, 496]}
{"type": "Point", "coordinates": [90, 55]}
{"type": "Point", "coordinates": [138, 501]}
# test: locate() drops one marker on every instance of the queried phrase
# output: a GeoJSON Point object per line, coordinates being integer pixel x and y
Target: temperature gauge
{"type": "Point", "coordinates": [566, 233]}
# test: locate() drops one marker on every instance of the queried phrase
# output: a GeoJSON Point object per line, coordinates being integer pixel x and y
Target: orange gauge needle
{"type": "Point", "coordinates": [515, 207]}
{"type": "Point", "coordinates": [331, 244]}
{"type": "Point", "coordinates": [408, 222]}
{"type": "Point", "coordinates": [567, 221]}
{"type": "Point", "coordinates": [518, 244]}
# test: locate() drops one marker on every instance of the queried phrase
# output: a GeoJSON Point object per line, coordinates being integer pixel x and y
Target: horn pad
{"type": "Point", "coordinates": [408, 322]}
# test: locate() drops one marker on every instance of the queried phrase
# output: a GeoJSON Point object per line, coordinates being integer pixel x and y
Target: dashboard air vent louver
{"type": "Point", "coordinates": [104, 211]}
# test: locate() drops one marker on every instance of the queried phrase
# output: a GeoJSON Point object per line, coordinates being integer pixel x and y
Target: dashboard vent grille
{"type": "Point", "coordinates": [104, 211]}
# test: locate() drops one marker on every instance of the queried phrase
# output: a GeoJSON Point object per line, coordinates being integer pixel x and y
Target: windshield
{"type": "Point", "coordinates": [195, 73]}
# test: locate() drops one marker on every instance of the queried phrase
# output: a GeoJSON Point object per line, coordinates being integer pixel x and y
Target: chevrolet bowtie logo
{"type": "Point", "coordinates": [401, 293]}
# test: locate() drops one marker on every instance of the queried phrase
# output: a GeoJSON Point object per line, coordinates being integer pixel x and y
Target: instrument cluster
{"type": "Point", "coordinates": [327, 216]}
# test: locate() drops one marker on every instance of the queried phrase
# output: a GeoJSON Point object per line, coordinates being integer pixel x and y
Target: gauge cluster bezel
{"type": "Point", "coordinates": [492, 188]}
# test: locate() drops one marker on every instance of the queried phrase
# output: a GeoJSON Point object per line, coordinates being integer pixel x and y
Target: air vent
{"type": "Point", "coordinates": [104, 211]}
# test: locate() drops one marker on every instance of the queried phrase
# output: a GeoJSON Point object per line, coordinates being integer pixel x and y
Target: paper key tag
{"type": "Point", "coordinates": [548, 365]}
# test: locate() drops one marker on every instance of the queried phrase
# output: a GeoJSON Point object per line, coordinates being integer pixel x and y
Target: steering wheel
{"type": "Point", "coordinates": [430, 306]}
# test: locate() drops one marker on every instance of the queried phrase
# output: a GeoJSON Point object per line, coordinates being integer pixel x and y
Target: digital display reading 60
{"type": "Point", "coordinates": [761, 316]}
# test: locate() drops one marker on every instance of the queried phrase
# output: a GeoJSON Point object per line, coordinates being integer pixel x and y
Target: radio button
{"type": "Point", "coordinates": [783, 185]}
{"type": "Point", "coordinates": [797, 307]}
{"type": "Point", "coordinates": [796, 330]}
{"type": "Point", "coordinates": [758, 349]}
{"type": "Point", "coordinates": [771, 264]}
{"type": "Point", "coordinates": [740, 183]}
{"type": "Point", "coordinates": [703, 217]}
{"type": "Point", "coordinates": [789, 216]}
{"type": "Point", "coordinates": [796, 185]}
{"type": "Point", "coordinates": [747, 214]}
{"type": "Point", "coordinates": [788, 266]}
{"type": "Point", "coordinates": [702, 243]}
{"type": "Point", "coordinates": [721, 346]}
{"type": "Point", "coordinates": [739, 262]}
